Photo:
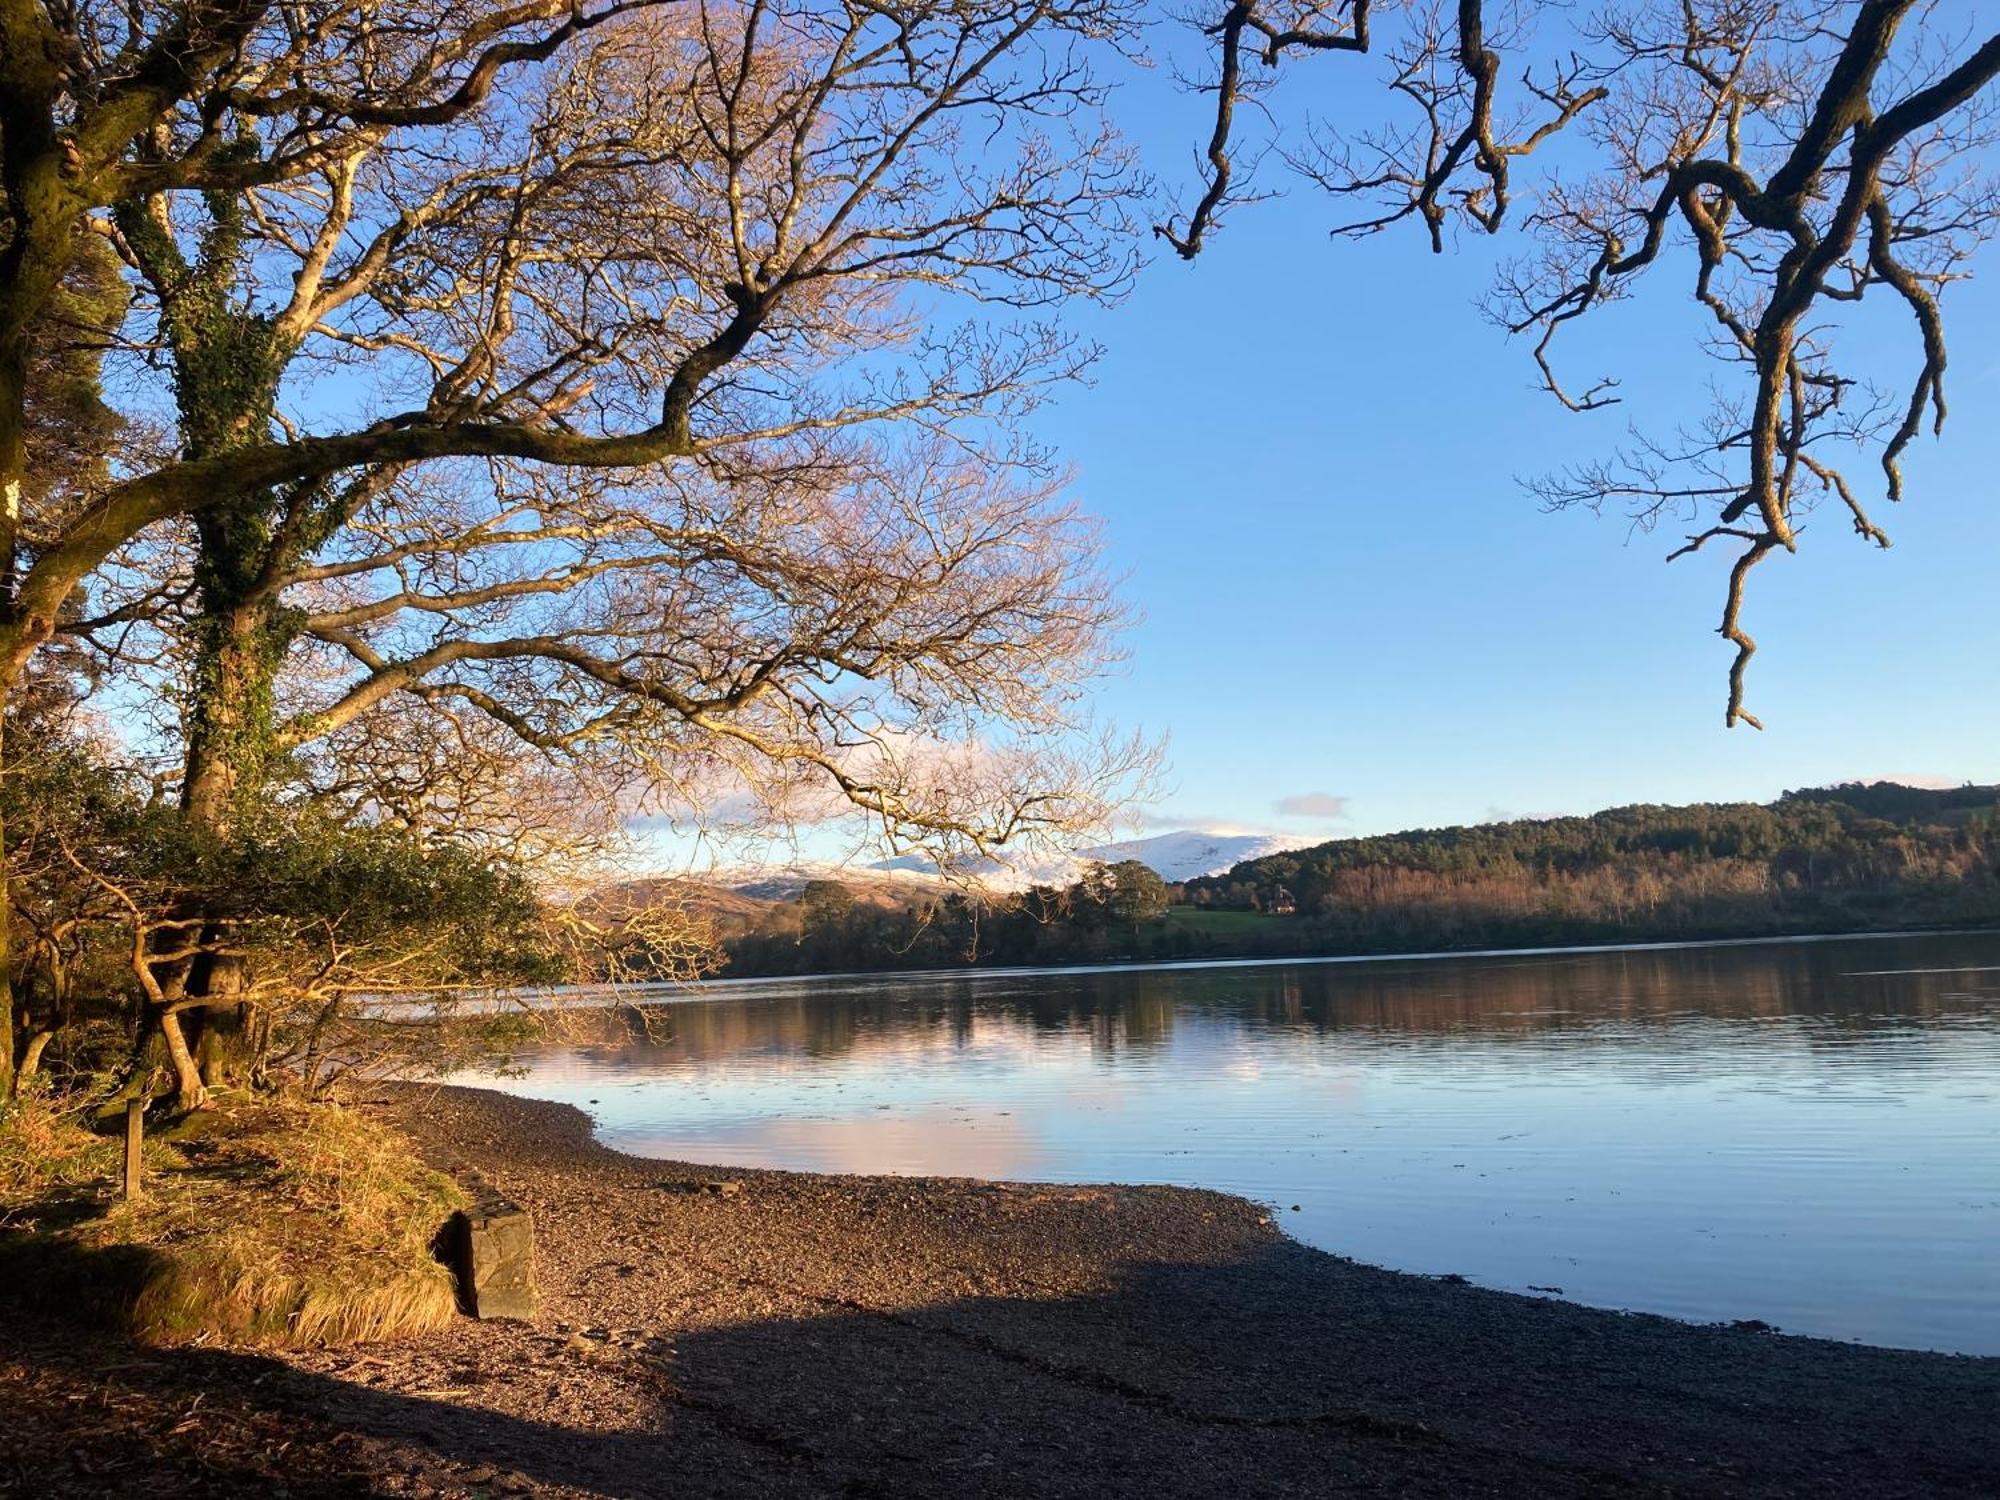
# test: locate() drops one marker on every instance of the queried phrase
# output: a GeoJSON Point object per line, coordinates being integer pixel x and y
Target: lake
{"type": "Point", "coordinates": [1806, 1133]}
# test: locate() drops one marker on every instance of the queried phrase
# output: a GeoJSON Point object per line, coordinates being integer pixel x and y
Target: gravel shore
{"type": "Point", "coordinates": [842, 1336]}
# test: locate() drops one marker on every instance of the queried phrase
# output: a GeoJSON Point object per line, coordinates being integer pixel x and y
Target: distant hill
{"type": "Point", "coordinates": [728, 909]}
{"type": "Point", "coordinates": [1822, 859]}
{"type": "Point", "coordinates": [1896, 802]}
{"type": "Point", "coordinates": [1812, 816]}
{"type": "Point", "coordinates": [883, 888]}
{"type": "Point", "coordinates": [736, 905]}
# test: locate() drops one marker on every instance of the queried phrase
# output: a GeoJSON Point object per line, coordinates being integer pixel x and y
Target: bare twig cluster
{"type": "Point", "coordinates": [1793, 155]}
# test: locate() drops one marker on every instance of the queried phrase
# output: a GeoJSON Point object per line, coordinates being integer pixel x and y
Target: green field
{"type": "Point", "coordinates": [1221, 924]}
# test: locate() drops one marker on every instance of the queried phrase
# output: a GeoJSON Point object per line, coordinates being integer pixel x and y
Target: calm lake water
{"type": "Point", "coordinates": [1805, 1133]}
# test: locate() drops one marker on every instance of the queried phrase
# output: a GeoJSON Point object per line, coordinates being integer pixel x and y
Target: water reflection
{"type": "Point", "coordinates": [1803, 1133]}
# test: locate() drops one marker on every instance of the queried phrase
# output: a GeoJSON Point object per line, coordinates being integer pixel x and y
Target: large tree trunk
{"type": "Point", "coordinates": [13, 478]}
{"type": "Point", "coordinates": [14, 324]}
{"type": "Point", "coordinates": [229, 735]}
{"type": "Point", "coordinates": [229, 720]}
{"type": "Point", "coordinates": [228, 363]}
{"type": "Point", "coordinates": [226, 1046]}
{"type": "Point", "coordinates": [43, 209]}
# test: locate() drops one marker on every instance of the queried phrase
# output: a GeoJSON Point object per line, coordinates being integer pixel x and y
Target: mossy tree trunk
{"type": "Point", "coordinates": [228, 361]}
{"type": "Point", "coordinates": [242, 636]}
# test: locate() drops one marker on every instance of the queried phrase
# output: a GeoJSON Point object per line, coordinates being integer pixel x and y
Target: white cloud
{"type": "Point", "coordinates": [1323, 806]}
{"type": "Point", "coordinates": [1170, 820]}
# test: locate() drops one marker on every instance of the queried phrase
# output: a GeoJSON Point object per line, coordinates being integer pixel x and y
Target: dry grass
{"type": "Point", "coordinates": [46, 1155]}
{"type": "Point", "coordinates": [273, 1223]}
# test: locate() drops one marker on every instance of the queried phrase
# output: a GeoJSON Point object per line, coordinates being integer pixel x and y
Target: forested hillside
{"type": "Point", "coordinates": [1825, 859]}
{"type": "Point", "coordinates": [1833, 859]}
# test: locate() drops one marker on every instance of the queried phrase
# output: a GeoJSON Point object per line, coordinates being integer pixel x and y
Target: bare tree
{"type": "Point", "coordinates": [705, 234]}
{"type": "Point", "coordinates": [1793, 155]}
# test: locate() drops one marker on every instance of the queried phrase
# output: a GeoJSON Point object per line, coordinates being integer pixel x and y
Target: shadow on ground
{"type": "Point", "coordinates": [1178, 1384]}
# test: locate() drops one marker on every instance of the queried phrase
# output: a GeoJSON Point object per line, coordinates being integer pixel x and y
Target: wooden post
{"type": "Point", "coordinates": [135, 1131]}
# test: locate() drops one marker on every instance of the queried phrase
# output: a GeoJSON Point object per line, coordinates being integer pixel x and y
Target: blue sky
{"type": "Point", "coordinates": [1306, 453]}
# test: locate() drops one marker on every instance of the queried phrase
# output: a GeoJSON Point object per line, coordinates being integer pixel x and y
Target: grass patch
{"type": "Point", "coordinates": [271, 1222]}
{"type": "Point", "coordinates": [47, 1157]}
{"type": "Point", "coordinates": [1216, 922]}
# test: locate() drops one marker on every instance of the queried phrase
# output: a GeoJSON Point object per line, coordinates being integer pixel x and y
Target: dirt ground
{"type": "Point", "coordinates": [824, 1336]}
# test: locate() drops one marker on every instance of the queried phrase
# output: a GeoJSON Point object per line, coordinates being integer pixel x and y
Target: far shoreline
{"type": "Point", "coordinates": [670, 992]}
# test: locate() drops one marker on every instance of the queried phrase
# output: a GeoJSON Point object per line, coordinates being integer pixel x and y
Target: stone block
{"type": "Point", "coordinates": [491, 1251]}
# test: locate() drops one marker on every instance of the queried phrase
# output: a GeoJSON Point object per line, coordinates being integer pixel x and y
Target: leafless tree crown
{"type": "Point", "coordinates": [640, 379]}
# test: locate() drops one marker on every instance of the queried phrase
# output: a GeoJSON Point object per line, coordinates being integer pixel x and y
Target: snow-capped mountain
{"type": "Point", "coordinates": [1180, 855]}
{"type": "Point", "coordinates": [1191, 852]}
{"type": "Point", "coordinates": [890, 881]}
